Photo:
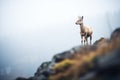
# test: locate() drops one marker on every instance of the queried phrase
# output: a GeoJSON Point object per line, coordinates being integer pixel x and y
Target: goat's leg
{"type": "Point", "coordinates": [86, 40]}
{"type": "Point", "coordinates": [90, 39]}
{"type": "Point", "coordinates": [81, 40]}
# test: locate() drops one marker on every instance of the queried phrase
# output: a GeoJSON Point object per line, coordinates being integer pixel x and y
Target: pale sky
{"type": "Point", "coordinates": [32, 31]}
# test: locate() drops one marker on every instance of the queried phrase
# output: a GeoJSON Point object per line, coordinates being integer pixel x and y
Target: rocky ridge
{"type": "Point", "coordinates": [100, 61]}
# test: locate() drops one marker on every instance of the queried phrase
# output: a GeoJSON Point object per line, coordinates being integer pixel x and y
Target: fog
{"type": "Point", "coordinates": [32, 31]}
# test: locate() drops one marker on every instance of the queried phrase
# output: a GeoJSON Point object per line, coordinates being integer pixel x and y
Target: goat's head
{"type": "Point", "coordinates": [79, 21]}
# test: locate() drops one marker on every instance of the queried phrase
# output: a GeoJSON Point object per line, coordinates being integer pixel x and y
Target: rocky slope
{"type": "Point", "coordinates": [100, 61]}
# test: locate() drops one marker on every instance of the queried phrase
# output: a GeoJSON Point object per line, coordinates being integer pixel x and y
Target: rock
{"type": "Point", "coordinates": [21, 78]}
{"type": "Point", "coordinates": [115, 33]}
{"type": "Point", "coordinates": [61, 56]}
{"type": "Point", "coordinates": [100, 61]}
{"type": "Point", "coordinates": [102, 41]}
{"type": "Point", "coordinates": [42, 69]}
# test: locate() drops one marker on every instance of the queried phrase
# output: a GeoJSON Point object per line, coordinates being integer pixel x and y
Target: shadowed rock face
{"type": "Point", "coordinates": [101, 61]}
{"type": "Point", "coordinates": [60, 57]}
{"type": "Point", "coordinates": [115, 33]}
{"type": "Point", "coordinates": [100, 42]}
{"type": "Point", "coordinates": [42, 69]}
{"type": "Point", "coordinates": [21, 78]}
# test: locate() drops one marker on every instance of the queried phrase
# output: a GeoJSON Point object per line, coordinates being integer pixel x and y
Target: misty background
{"type": "Point", "coordinates": [32, 31]}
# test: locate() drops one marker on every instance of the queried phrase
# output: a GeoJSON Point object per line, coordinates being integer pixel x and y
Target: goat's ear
{"type": "Point", "coordinates": [82, 17]}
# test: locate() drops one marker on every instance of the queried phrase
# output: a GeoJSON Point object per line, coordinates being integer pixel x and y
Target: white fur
{"type": "Point", "coordinates": [85, 31]}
